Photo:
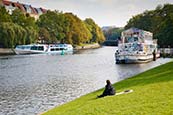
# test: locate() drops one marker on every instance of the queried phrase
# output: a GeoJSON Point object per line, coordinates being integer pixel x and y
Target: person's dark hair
{"type": "Point", "coordinates": [108, 82]}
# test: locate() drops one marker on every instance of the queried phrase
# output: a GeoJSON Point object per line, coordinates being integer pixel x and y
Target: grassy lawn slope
{"type": "Point", "coordinates": [152, 95]}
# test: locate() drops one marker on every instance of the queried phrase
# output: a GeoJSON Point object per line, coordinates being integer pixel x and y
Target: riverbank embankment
{"type": "Point", "coordinates": [87, 46]}
{"type": "Point", "coordinates": [152, 93]}
{"type": "Point", "coordinates": [10, 51]}
{"type": "Point", "coordinates": [6, 51]}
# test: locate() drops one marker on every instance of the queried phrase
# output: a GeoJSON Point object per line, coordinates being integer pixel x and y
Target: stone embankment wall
{"type": "Point", "coordinates": [6, 51]}
{"type": "Point", "coordinates": [89, 46]}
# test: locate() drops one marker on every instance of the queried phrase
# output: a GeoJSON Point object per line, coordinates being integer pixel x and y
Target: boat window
{"type": "Point", "coordinates": [140, 47]}
{"type": "Point", "coordinates": [61, 48]}
{"type": "Point", "coordinates": [17, 46]}
{"type": "Point", "coordinates": [130, 39]}
{"type": "Point", "coordinates": [135, 39]}
{"type": "Point", "coordinates": [34, 47]}
{"type": "Point", "coordinates": [57, 49]}
{"type": "Point", "coordinates": [22, 47]}
{"type": "Point", "coordinates": [52, 49]}
{"type": "Point", "coordinates": [152, 46]}
{"type": "Point", "coordinates": [27, 47]}
{"type": "Point", "coordinates": [40, 48]}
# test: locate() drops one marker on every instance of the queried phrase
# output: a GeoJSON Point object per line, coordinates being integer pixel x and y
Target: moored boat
{"type": "Point", "coordinates": [60, 49]}
{"type": "Point", "coordinates": [31, 49]}
{"type": "Point", "coordinates": [136, 46]}
{"type": "Point", "coordinates": [44, 49]}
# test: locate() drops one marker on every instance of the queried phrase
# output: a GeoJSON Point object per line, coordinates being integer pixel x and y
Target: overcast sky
{"type": "Point", "coordinates": [103, 12]}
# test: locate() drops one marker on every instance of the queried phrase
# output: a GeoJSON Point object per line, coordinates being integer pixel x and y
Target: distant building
{"type": "Point", "coordinates": [28, 9]}
{"type": "Point", "coordinates": [106, 28]}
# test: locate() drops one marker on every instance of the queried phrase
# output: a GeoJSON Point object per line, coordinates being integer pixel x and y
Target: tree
{"type": "Point", "coordinates": [78, 31]}
{"type": "Point", "coordinates": [55, 23]}
{"type": "Point", "coordinates": [158, 21]}
{"type": "Point", "coordinates": [4, 15]}
{"type": "Point", "coordinates": [27, 23]}
{"type": "Point", "coordinates": [11, 34]}
{"type": "Point", "coordinates": [18, 17]}
{"type": "Point", "coordinates": [95, 30]}
{"type": "Point", "coordinates": [32, 35]}
{"type": "Point", "coordinates": [44, 35]}
{"type": "Point", "coordinates": [113, 33]}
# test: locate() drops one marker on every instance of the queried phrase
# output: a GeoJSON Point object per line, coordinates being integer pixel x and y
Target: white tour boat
{"type": "Point", "coordinates": [136, 46]}
{"type": "Point", "coordinates": [60, 49]}
{"type": "Point", "coordinates": [31, 49]}
{"type": "Point", "coordinates": [44, 49]}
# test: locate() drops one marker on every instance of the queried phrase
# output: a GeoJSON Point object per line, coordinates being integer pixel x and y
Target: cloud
{"type": "Point", "coordinates": [104, 12]}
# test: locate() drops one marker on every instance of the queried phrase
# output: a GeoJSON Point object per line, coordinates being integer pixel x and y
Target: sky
{"type": "Point", "coordinates": [103, 12]}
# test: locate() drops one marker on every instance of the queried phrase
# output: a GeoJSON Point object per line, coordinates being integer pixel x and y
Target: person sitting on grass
{"type": "Point", "coordinates": [109, 90]}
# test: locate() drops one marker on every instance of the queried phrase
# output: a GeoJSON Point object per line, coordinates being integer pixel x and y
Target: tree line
{"type": "Point", "coordinates": [113, 33]}
{"type": "Point", "coordinates": [158, 21]}
{"type": "Point", "coordinates": [51, 27]}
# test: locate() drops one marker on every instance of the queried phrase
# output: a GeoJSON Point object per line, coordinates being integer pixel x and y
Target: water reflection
{"type": "Point", "coordinates": [31, 84]}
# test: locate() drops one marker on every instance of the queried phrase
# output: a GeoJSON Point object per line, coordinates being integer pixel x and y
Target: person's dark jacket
{"type": "Point", "coordinates": [109, 90]}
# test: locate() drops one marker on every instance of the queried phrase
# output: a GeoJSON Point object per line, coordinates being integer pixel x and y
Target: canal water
{"type": "Point", "coordinates": [31, 84]}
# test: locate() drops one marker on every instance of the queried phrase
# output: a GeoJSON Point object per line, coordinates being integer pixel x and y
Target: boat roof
{"type": "Point", "coordinates": [135, 31]}
{"type": "Point", "coordinates": [59, 45]}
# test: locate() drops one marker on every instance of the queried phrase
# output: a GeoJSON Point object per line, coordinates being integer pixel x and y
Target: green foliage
{"type": "Point", "coordinates": [11, 34]}
{"type": "Point", "coordinates": [158, 21]}
{"type": "Point", "coordinates": [51, 27]}
{"type": "Point", "coordinates": [24, 20]}
{"type": "Point", "coordinates": [7, 34]}
{"type": "Point", "coordinates": [4, 15]}
{"type": "Point", "coordinates": [55, 23]}
{"type": "Point", "coordinates": [16, 29]}
{"type": "Point", "coordinates": [78, 33]}
{"type": "Point", "coordinates": [27, 23]}
{"type": "Point", "coordinates": [18, 17]}
{"type": "Point", "coordinates": [152, 94]}
{"type": "Point", "coordinates": [44, 35]}
{"type": "Point", "coordinates": [32, 35]}
{"type": "Point", "coordinates": [113, 33]}
{"type": "Point", "coordinates": [97, 34]}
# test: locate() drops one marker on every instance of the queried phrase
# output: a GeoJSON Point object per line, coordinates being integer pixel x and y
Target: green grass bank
{"type": "Point", "coordinates": [152, 95]}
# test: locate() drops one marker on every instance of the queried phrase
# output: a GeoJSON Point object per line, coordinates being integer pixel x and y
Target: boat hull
{"type": "Point", "coordinates": [120, 59]}
{"type": "Point", "coordinates": [62, 52]}
{"type": "Point", "coordinates": [23, 52]}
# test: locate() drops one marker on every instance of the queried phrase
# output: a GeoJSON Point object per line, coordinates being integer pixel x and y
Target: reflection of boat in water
{"type": "Point", "coordinates": [44, 49]}
{"type": "Point", "coordinates": [136, 46]}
